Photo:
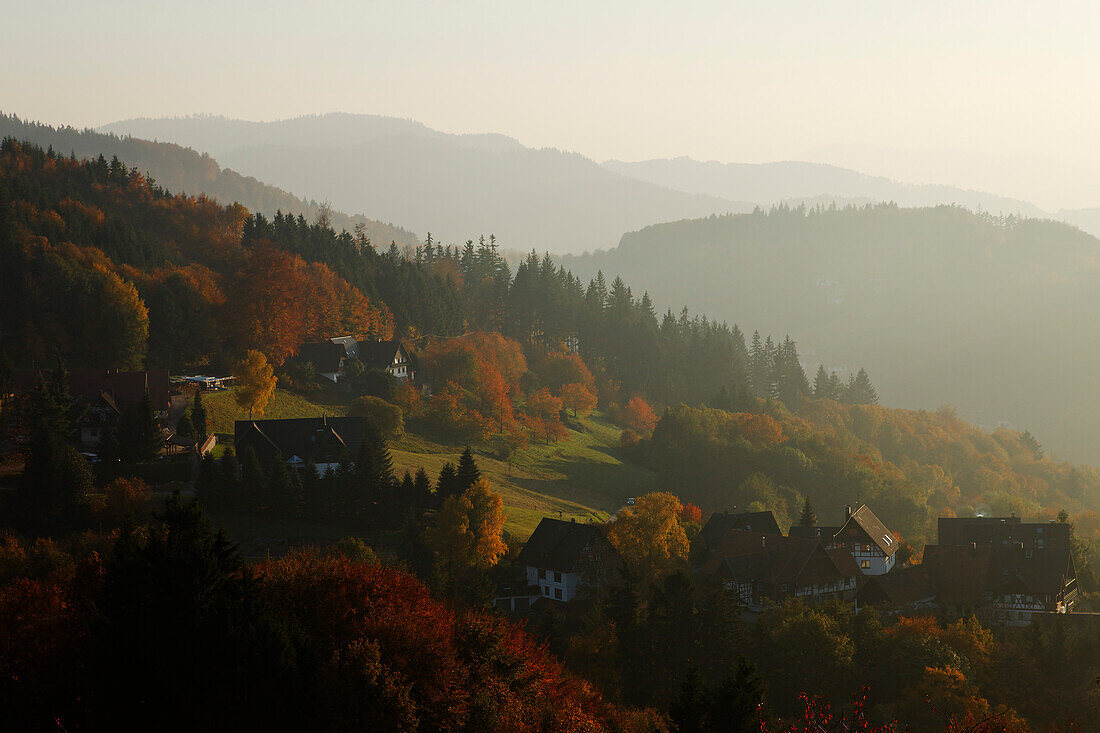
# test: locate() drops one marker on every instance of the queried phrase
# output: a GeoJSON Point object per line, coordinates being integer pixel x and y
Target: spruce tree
{"type": "Point", "coordinates": [252, 478]}
{"type": "Point", "coordinates": [823, 384]}
{"type": "Point", "coordinates": [1032, 444]}
{"type": "Point", "coordinates": [422, 490]}
{"type": "Point", "coordinates": [735, 706]}
{"type": "Point", "coordinates": [860, 391]}
{"type": "Point", "coordinates": [468, 472]}
{"type": "Point", "coordinates": [198, 417]}
{"type": "Point", "coordinates": [279, 488]}
{"type": "Point", "coordinates": [688, 710]}
{"type": "Point", "coordinates": [447, 485]}
{"type": "Point", "coordinates": [139, 433]}
{"type": "Point", "coordinates": [185, 428]}
{"type": "Point", "coordinates": [808, 517]}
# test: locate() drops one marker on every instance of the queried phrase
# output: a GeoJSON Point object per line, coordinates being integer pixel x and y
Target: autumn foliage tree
{"type": "Point", "coordinates": [255, 381]}
{"type": "Point", "coordinates": [639, 416]}
{"type": "Point", "coordinates": [650, 535]}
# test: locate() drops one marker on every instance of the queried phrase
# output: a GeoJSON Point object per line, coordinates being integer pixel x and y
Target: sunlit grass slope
{"type": "Point", "coordinates": [583, 477]}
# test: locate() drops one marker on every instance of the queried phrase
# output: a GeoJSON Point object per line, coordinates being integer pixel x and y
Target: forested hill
{"type": "Point", "coordinates": [943, 306]}
{"type": "Point", "coordinates": [182, 170]}
{"type": "Point", "coordinates": [449, 185]}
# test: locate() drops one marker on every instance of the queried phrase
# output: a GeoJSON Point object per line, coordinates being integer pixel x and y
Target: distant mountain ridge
{"type": "Point", "coordinates": [453, 186]}
{"type": "Point", "coordinates": [182, 170]}
{"type": "Point", "coordinates": [796, 181]}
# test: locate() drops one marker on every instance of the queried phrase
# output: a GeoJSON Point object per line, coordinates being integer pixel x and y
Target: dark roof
{"type": "Point", "coordinates": [773, 558]}
{"type": "Point", "coordinates": [1002, 530]}
{"type": "Point", "coordinates": [325, 356]}
{"type": "Point", "coordinates": [90, 384]}
{"type": "Point", "coordinates": [311, 439]}
{"type": "Point", "coordinates": [899, 587]}
{"type": "Point", "coordinates": [958, 573]}
{"type": "Point", "coordinates": [962, 574]}
{"type": "Point", "coordinates": [825, 533]}
{"type": "Point", "coordinates": [378, 354]}
{"type": "Point", "coordinates": [558, 545]}
{"type": "Point", "coordinates": [864, 522]}
{"type": "Point", "coordinates": [721, 522]}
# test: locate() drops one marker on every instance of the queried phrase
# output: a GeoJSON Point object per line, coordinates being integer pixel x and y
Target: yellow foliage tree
{"type": "Point", "coordinates": [469, 529]}
{"type": "Point", "coordinates": [649, 536]}
{"type": "Point", "coordinates": [255, 380]}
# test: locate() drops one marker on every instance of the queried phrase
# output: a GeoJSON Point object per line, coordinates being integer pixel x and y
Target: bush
{"type": "Point", "coordinates": [387, 419]}
{"type": "Point", "coordinates": [628, 439]}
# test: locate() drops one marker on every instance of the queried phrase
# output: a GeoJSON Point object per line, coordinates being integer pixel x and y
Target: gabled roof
{"type": "Point", "coordinates": [378, 354]}
{"type": "Point", "coordinates": [90, 384]}
{"type": "Point", "coordinates": [963, 573]}
{"type": "Point", "coordinates": [863, 522]}
{"type": "Point", "coordinates": [325, 356]}
{"type": "Point", "coordinates": [558, 545]}
{"type": "Point", "coordinates": [825, 533]}
{"type": "Point", "coordinates": [899, 587]}
{"type": "Point", "coordinates": [311, 439]}
{"type": "Point", "coordinates": [774, 559]}
{"type": "Point", "coordinates": [721, 522]}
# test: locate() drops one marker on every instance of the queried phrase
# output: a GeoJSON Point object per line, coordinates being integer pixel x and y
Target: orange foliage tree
{"type": "Point", "coordinates": [639, 416]}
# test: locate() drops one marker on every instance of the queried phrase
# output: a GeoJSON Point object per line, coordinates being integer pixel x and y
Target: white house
{"type": "Point", "coordinates": [872, 545]}
{"type": "Point", "coordinates": [564, 558]}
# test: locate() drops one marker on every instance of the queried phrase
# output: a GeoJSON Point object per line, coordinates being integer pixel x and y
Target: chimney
{"type": "Point", "coordinates": [847, 511]}
{"type": "Point", "coordinates": [763, 542]}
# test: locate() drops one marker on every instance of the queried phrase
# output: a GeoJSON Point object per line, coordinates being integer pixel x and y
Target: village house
{"type": "Point", "coordinates": [868, 540]}
{"type": "Point", "coordinates": [721, 522]}
{"type": "Point", "coordinates": [770, 567]}
{"type": "Point", "coordinates": [102, 395]}
{"type": "Point", "coordinates": [323, 442]}
{"type": "Point", "coordinates": [329, 358]}
{"type": "Point", "coordinates": [863, 535]}
{"type": "Point", "coordinates": [564, 559]}
{"type": "Point", "coordinates": [901, 590]}
{"type": "Point", "coordinates": [1005, 570]}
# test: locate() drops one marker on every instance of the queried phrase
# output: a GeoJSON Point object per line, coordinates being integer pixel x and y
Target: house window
{"type": "Point", "coordinates": [865, 564]}
{"type": "Point", "coordinates": [557, 577]}
{"type": "Point", "coordinates": [783, 588]}
{"type": "Point", "coordinates": [545, 590]}
{"type": "Point", "coordinates": [557, 593]}
{"type": "Point", "coordinates": [542, 574]}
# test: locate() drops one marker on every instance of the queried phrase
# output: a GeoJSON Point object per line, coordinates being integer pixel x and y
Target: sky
{"type": "Point", "coordinates": [1000, 97]}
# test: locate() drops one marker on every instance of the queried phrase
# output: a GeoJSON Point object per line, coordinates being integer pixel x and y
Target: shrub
{"type": "Point", "coordinates": [387, 419]}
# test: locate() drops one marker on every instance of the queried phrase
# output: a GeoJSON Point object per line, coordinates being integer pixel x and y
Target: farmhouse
{"type": "Point", "coordinates": [770, 567]}
{"type": "Point", "coordinates": [104, 394]}
{"type": "Point", "coordinates": [564, 559]}
{"type": "Point", "coordinates": [330, 358]}
{"type": "Point", "coordinates": [866, 538]}
{"type": "Point", "coordinates": [321, 441]}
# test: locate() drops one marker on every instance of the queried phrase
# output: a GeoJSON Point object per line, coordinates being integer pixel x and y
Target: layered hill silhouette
{"type": "Point", "coordinates": [454, 186]}
{"type": "Point", "coordinates": [797, 181]}
{"type": "Point", "coordinates": [942, 305]}
{"type": "Point", "coordinates": [182, 170]}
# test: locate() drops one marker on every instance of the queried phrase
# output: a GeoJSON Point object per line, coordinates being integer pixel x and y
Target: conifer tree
{"type": "Point", "coordinates": [422, 490]}
{"type": "Point", "coordinates": [1032, 444]}
{"type": "Point", "coordinates": [198, 417]}
{"type": "Point", "coordinates": [468, 473]}
{"type": "Point", "coordinates": [139, 433]}
{"type": "Point", "coordinates": [447, 485]}
{"type": "Point", "coordinates": [688, 710]}
{"type": "Point", "coordinates": [279, 486]}
{"type": "Point", "coordinates": [860, 391]}
{"type": "Point", "coordinates": [808, 517]}
{"type": "Point", "coordinates": [735, 707]}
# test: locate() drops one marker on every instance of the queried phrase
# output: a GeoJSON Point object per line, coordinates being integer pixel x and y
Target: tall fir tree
{"type": "Point", "coordinates": [468, 473]}
{"type": "Point", "coordinates": [198, 416]}
{"type": "Point", "coordinates": [808, 517]}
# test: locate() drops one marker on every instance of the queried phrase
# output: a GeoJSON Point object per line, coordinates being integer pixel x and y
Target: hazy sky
{"type": "Point", "coordinates": [1000, 96]}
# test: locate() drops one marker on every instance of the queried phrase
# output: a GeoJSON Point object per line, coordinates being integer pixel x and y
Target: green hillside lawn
{"type": "Point", "coordinates": [583, 477]}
